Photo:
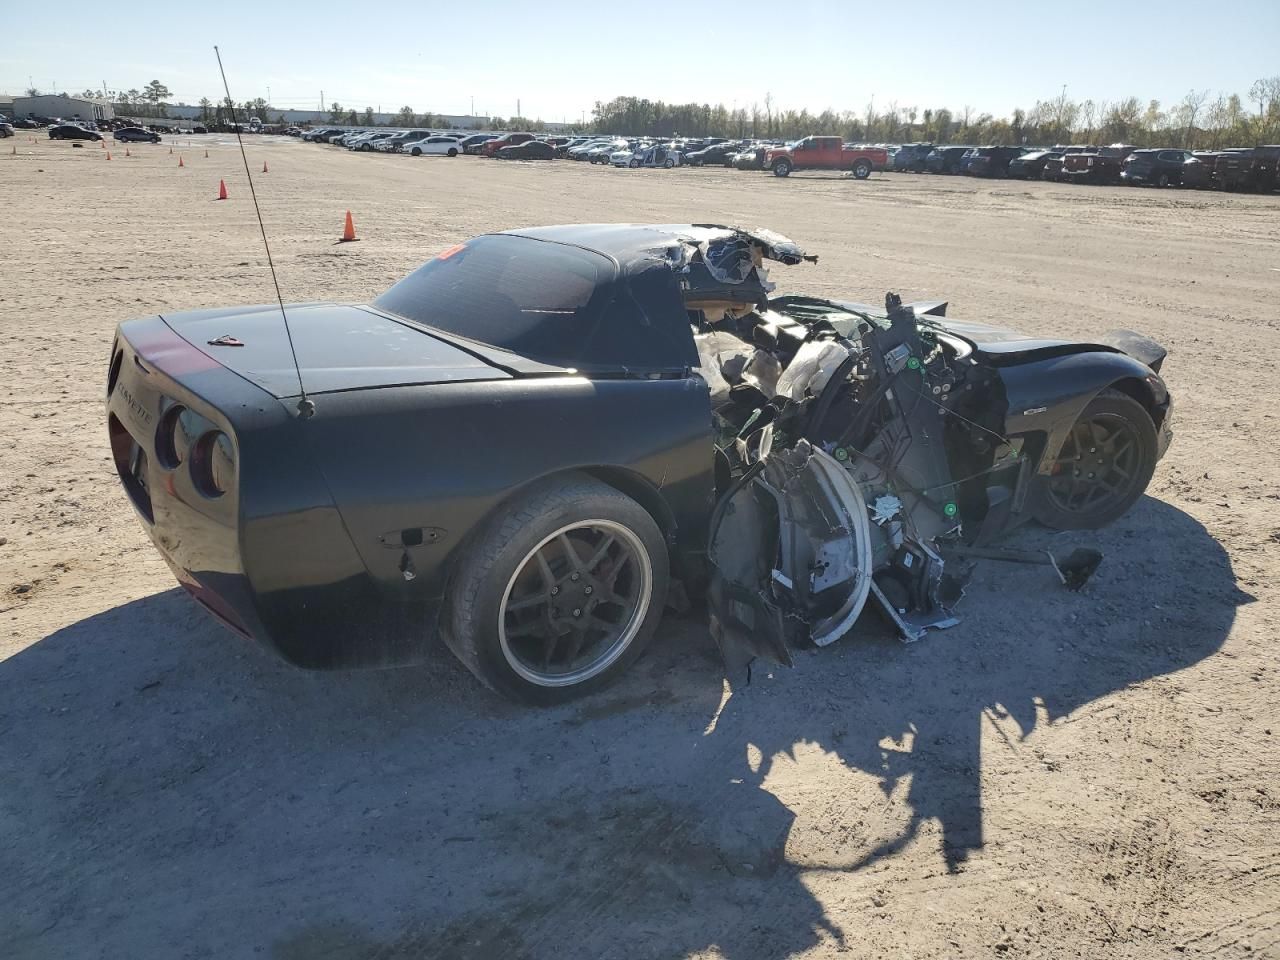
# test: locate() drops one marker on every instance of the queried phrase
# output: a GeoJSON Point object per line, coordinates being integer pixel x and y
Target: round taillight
{"type": "Point", "coordinates": [114, 373]}
{"type": "Point", "coordinates": [172, 437]}
{"type": "Point", "coordinates": [213, 464]}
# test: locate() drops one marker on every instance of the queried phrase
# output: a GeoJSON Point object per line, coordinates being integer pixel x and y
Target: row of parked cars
{"type": "Point", "coordinates": [1253, 168]}
{"type": "Point", "coordinates": [1245, 168]}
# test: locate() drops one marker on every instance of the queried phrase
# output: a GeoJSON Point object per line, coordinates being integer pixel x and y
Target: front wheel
{"type": "Point", "coordinates": [1163, 181]}
{"type": "Point", "coordinates": [862, 170]}
{"type": "Point", "coordinates": [1104, 466]}
{"type": "Point", "coordinates": [415, 152]}
{"type": "Point", "coordinates": [633, 164]}
{"type": "Point", "coordinates": [560, 591]}
{"type": "Point", "coordinates": [781, 168]}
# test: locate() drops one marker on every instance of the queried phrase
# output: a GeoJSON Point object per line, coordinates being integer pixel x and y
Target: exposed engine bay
{"type": "Point", "coordinates": [856, 449]}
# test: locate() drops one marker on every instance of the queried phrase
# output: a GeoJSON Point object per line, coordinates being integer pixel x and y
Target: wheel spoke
{"type": "Point", "coordinates": [527, 603]}
{"type": "Point", "coordinates": [571, 552]}
{"type": "Point", "coordinates": [601, 552]}
{"type": "Point", "coordinates": [544, 568]}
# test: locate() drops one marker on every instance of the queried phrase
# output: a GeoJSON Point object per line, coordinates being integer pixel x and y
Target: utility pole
{"type": "Point", "coordinates": [473, 105]}
{"type": "Point", "coordinates": [322, 101]}
{"type": "Point", "coordinates": [517, 106]}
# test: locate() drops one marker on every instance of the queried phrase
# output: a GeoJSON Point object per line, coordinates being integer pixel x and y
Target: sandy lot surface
{"type": "Point", "coordinates": [1093, 774]}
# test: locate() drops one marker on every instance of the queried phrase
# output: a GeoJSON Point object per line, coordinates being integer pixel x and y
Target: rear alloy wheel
{"type": "Point", "coordinates": [1104, 465]}
{"type": "Point", "coordinates": [669, 163]}
{"type": "Point", "coordinates": [560, 592]}
{"type": "Point", "coordinates": [781, 168]}
{"type": "Point", "coordinates": [453, 151]}
{"type": "Point", "coordinates": [862, 170]}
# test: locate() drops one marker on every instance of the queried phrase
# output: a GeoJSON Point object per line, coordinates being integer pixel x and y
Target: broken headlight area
{"type": "Point", "coordinates": [859, 448]}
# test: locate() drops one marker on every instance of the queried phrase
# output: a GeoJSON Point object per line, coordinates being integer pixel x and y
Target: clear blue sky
{"type": "Point", "coordinates": [559, 57]}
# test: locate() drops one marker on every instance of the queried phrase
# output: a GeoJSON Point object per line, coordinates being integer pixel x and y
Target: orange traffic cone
{"type": "Point", "coordinates": [264, 166]}
{"type": "Point", "coordinates": [108, 154]}
{"type": "Point", "coordinates": [180, 163]}
{"type": "Point", "coordinates": [348, 230]}
{"type": "Point", "coordinates": [127, 153]}
{"type": "Point", "coordinates": [222, 189]}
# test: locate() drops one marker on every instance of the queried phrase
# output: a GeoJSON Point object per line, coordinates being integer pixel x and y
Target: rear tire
{"type": "Point", "coordinates": [453, 151]}
{"type": "Point", "coordinates": [523, 548]}
{"type": "Point", "coordinates": [861, 169]}
{"type": "Point", "coordinates": [1104, 466]}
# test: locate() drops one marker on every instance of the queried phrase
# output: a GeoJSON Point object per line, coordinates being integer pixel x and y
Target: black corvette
{"type": "Point", "coordinates": [525, 442]}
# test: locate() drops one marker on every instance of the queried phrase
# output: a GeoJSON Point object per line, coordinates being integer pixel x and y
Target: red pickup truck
{"type": "Point", "coordinates": [825, 153]}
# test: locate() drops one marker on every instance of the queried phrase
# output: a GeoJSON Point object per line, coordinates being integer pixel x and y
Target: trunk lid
{"type": "Point", "coordinates": [339, 347]}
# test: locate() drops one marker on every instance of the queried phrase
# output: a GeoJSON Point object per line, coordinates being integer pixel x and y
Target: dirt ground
{"type": "Point", "coordinates": [1063, 775]}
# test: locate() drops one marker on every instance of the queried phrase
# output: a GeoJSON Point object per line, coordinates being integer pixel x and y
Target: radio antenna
{"type": "Point", "coordinates": [305, 407]}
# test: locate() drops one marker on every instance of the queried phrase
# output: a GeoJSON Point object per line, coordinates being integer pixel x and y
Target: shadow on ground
{"type": "Point", "coordinates": [168, 790]}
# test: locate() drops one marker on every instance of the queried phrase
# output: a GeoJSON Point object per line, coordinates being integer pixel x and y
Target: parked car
{"type": "Point", "coordinates": [199, 128]}
{"type": "Point", "coordinates": [991, 161]}
{"type": "Point", "coordinates": [490, 148]}
{"type": "Point", "coordinates": [718, 154]}
{"type": "Point", "coordinates": [751, 158]}
{"type": "Point", "coordinates": [474, 144]}
{"type": "Point", "coordinates": [322, 135]}
{"type": "Point", "coordinates": [911, 157]}
{"type": "Point", "coordinates": [69, 131]}
{"type": "Point", "coordinates": [551, 400]}
{"type": "Point", "coordinates": [946, 159]}
{"type": "Point", "coordinates": [1197, 172]}
{"type": "Point", "coordinates": [433, 146]}
{"type": "Point", "coordinates": [369, 142]}
{"type": "Point", "coordinates": [581, 150]}
{"type": "Point", "coordinates": [393, 143]}
{"type": "Point", "coordinates": [825, 153]}
{"type": "Point", "coordinates": [1030, 166]}
{"type": "Point", "coordinates": [26, 123]}
{"type": "Point", "coordinates": [1100, 167]}
{"type": "Point", "coordinates": [136, 135]}
{"type": "Point", "coordinates": [648, 155]}
{"type": "Point", "coordinates": [528, 150]}
{"type": "Point", "coordinates": [1055, 167]}
{"type": "Point", "coordinates": [6, 129]}
{"type": "Point", "coordinates": [601, 153]}
{"type": "Point", "coordinates": [1252, 169]}
{"type": "Point", "coordinates": [1160, 168]}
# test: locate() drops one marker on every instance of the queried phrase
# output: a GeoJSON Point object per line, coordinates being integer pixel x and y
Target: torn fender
{"type": "Point", "coordinates": [790, 552]}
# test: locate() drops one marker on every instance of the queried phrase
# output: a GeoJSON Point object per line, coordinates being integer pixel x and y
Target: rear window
{"type": "Point", "coordinates": [550, 302]}
{"type": "Point", "coordinates": [538, 299]}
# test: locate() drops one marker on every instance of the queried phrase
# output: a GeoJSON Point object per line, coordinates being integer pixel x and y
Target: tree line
{"type": "Point", "coordinates": [1199, 121]}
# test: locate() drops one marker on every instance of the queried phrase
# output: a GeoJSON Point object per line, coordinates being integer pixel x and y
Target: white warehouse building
{"type": "Point", "coordinates": [60, 105]}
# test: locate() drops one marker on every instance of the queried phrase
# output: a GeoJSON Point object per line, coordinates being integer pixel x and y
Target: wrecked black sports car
{"type": "Point", "coordinates": [526, 442]}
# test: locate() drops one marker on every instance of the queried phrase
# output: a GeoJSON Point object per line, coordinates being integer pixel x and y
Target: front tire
{"type": "Point", "coordinates": [415, 152]}
{"type": "Point", "coordinates": [1104, 466]}
{"type": "Point", "coordinates": [781, 168]}
{"type": "Point", "coordinates": [633, 164]}
{"type": "Point", "coordinates": [559, 591]}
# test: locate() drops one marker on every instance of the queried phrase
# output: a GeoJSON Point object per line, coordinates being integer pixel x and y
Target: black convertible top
{"type": "Point", "coordinates": [635, 246]}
